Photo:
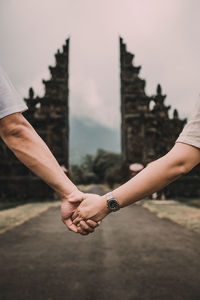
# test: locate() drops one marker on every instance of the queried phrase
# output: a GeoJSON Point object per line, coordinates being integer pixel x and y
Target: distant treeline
{"type": "Point", "coordinates": [103, 167]}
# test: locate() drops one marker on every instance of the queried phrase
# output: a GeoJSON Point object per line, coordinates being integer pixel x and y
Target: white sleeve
{"type": "Point", "coordinates": [10, 101]}
{"type": "Point", "coordinates": [191, 132]}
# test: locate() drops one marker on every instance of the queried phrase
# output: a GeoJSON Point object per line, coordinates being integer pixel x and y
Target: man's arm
{"type": "Point", "coordinates": [180, 160]}
{"type": "Point", "coordinates": [22, 139]}
{"type": "Point", "coordinates": [31, 150]}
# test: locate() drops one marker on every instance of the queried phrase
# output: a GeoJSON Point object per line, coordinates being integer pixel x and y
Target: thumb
{"type": "Point", "coordinates": [76, 197]}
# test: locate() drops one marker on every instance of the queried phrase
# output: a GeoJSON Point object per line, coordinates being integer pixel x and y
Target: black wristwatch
{"type": "Point", "coordinates": [112, 203]}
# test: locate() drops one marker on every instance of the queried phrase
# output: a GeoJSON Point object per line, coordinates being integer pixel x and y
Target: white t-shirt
{"type": "Point", "coordinates": [191, 132]}
{"type": "Point", "coordinates": [10, 101]}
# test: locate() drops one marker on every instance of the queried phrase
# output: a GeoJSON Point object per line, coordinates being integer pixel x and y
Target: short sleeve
{"type": "Point", "coordinates": [191, 132]}
{"type": "Point", "coordinates": [10, 101]}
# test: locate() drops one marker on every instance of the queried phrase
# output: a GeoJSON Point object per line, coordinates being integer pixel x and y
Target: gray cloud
{"type": "Point", "coordinates": [163, 35]}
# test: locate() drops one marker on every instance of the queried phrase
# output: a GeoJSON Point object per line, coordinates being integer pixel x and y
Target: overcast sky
{"type": "Point", "coordinates": [163, 35]}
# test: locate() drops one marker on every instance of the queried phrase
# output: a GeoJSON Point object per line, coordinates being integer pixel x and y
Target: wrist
{"type": "Point", "coordinates": [66, 195]}
{"type": "Point", "coordinates": [105, 208]}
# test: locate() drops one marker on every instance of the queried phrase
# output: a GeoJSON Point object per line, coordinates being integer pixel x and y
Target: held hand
{"type": "Point", "coordinates": [67, 209]}
{"type": "Point", "coordinates": [93, 207]}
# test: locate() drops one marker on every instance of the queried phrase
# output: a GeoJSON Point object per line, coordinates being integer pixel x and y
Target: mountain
{"type": "Point", "coordinates": [87, 135]}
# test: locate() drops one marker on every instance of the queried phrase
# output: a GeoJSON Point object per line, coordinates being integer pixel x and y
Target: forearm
{"type": "Point", "coordinates": [30, 149]}
{"type": "Point", "coordinates": [180, 160]}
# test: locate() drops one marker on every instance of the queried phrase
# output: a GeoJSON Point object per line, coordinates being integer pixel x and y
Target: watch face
{"type": "Point", "coordinates": [113, 205]}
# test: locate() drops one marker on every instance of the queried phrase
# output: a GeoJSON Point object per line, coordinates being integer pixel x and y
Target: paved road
{"type": "Point", "coordinates": [134, 255]}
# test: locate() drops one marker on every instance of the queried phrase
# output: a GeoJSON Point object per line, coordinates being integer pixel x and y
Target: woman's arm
{"type": "Point", "coordinates": [180, 160]}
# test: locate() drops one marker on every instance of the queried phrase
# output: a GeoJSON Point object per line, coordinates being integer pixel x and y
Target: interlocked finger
{"type": "Point", "coordinates": [85, 226]}
{"type": "Point", "coordinates": [77, 220]}
{"type": "Point", "coordinates": [81, 230]}
{"type": "Point", "coordinates": [92, 223]}
{"type": "Point", "coordinates": [70, 225]}
{"type": "Point", "coordinates": [75, 214]}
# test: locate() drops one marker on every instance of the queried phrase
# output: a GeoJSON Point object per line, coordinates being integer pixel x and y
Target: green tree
{"type": "Point", "coordinates": [103, 161]}
{"type": "Point", "coordinates": [105, 166]}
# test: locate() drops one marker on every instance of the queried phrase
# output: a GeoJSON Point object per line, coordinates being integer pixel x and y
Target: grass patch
{"type": "Point", "coordinates": [180, 213]}
{"type": "Point", "coordinates": [12, 217]}
{"type": "Point", "coordinates": [190, 202]}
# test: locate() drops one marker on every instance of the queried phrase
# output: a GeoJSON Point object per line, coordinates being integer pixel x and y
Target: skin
{"type": "Point", "coordinates": [30, 149]}
{"type": "Point", "coordinates": [180, 160]}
